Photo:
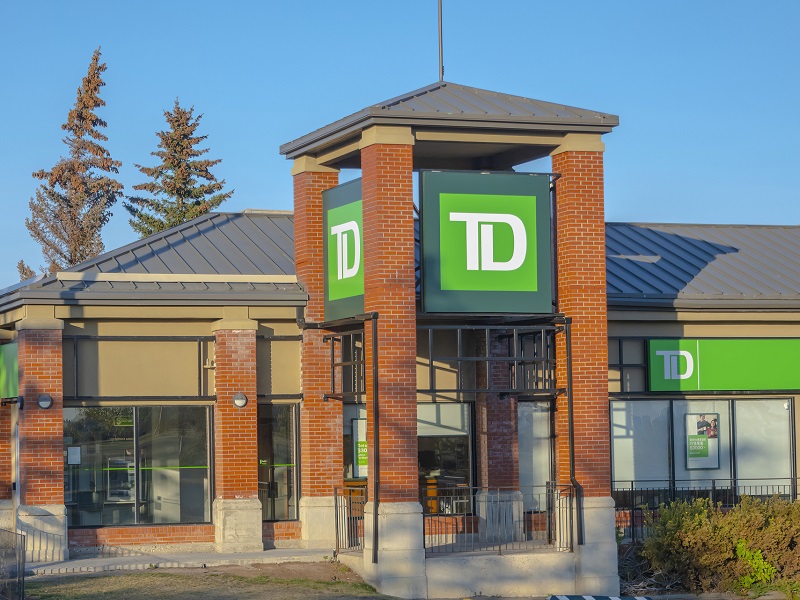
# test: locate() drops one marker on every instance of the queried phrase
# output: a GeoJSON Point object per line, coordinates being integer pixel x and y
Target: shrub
{"type": "Point", "coordinates": [755, 545]}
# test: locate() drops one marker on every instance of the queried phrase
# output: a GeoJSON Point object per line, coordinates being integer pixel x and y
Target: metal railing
{"type": "Point", "coordinates": [465, 519]}
{"type": "Point", "coordinates": [349, 515]}
{"type": "Point", "coordinates": [636, 500]}
{"type": "Point", "coordinates": [12, 565]}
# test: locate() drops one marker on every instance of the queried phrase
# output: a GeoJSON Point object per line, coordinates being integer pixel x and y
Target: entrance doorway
{"type": "Point", "coordinates": [277, 464]}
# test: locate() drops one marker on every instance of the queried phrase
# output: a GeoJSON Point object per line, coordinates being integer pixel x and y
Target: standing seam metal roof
{"type": "Point", "coordinates": [444, 102]}
{"type": "Point", "coordinates": [253, 243]}
{"type": "Point", "coordinates": [671, 264]}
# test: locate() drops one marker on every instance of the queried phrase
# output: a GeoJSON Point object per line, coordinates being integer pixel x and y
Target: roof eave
{"type": "Point", "coordinates": [340, 131]}
{"type": "Point", "coordinates": [705, 303]}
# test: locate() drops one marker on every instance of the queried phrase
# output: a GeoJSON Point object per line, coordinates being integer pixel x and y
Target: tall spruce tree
{"type": "Point", "coordinates": [73, 204]}
{"type": "Point", "coordinates": [182, 186]}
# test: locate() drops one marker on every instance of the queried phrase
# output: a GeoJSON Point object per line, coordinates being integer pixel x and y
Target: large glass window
{"type": "Point", "coordinates": [127, 465]}
{"type": "Point", "coordinates": [535, 451]}
{"type": "Point", "coordinates": [763, 442]}
{"type": "Point", "coordinates": [277, 465]}
{"type": "Point", "coordinates": [640, 442]}
{"type": "Point", "coordinates": [443, 432]}
{"type": "Point", "coordinates": [712, 447]}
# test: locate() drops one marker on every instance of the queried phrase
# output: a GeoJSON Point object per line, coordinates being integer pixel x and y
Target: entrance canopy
{"type": "Point", "coordinates": [456, 127]}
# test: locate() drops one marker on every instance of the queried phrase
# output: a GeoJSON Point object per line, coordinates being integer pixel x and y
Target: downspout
{"type": "Point", "coordinates": [376, 500]}
{"type": "Point", "coordinates": [571, 419]}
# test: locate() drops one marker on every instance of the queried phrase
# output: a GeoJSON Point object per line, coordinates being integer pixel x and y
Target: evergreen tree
{"type": "Point", "coordinates": [75, 200]}
{"type": "Point", "coordinates": [25, 272]}
{"type": "Point", "coordinates": [182, 185]}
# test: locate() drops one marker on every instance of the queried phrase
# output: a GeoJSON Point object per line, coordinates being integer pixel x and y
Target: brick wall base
{"type": "Point", "coordinates": [140, 535]}
{"type": "Point", "coordinates": [282, 533]}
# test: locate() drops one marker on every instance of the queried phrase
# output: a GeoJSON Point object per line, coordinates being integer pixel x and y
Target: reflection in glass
{"type": "Point", "coordinates": [99, 475]}
{"type": "Point", "coordinates": [107, 450]}
{"type": "Point", "coordinates": [173, 453]}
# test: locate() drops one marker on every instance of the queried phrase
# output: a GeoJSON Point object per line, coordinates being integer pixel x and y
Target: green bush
{"type": "Point", "coordinates": [753, 546]}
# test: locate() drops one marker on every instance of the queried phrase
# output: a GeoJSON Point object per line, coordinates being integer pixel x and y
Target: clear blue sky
{"type": "Point", "coordinates": [707, 91]}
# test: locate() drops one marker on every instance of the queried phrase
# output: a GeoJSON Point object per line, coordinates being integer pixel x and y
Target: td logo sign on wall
{"type": "Point", "coordinates": [486, 242]}
{"type": "Point", "coordinates": [343, 248]}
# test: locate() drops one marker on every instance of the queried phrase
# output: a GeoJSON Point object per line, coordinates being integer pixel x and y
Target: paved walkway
{"type": "Point", "coordinates": [139, 562]}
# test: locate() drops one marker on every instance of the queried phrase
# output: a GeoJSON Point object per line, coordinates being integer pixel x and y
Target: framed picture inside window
{"type": "Point", "coordinates": [702, 440]}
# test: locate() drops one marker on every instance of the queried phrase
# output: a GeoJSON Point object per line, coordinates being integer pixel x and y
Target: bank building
{"type": "Point", "coordinates": [456, 376]}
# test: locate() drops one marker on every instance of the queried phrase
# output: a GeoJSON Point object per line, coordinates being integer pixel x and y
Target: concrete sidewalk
{"type": "Point", "coordinates": [140, 562]}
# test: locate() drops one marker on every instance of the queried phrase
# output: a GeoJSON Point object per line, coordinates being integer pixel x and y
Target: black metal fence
{"type": "Point", "coordinates": [349, 514]}
{"type": "Point", "coordinates": [465, 519]}
{"type": "Point", "coordinates": [12, 565]}
{"type": "Point", "coordinates": [636, 500]}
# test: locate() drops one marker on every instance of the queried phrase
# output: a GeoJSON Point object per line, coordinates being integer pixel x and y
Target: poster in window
{"type": "Point", "coordinates": [360, 461]}
{"type": "Point", "coordinates": [702, 441]}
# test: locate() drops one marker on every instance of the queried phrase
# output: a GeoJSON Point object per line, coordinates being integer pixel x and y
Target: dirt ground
{"type": "Point", "coordinates": [287, 581]}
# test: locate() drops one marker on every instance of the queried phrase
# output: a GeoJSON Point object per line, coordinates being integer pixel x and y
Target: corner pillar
{"type": "Point", "coordinates": [321, 450]}
{"type": "Point", "coordinates": [389, 289]}
{"type": "Point", "coordinates": [41, 514]}
{"type": "Point", "coordinates": [580, 239]}
{"type": "Point", "coordinates": [236, 508]}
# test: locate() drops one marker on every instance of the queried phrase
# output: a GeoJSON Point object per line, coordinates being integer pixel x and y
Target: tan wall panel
{"type": "Point", "coordinates": [108, 368]}
{"type": "Point", "coordinates": [148, 311]}
{"type": "Point", "coordinates": [279, 328]}
{"type": "Point", "coordinates": [700, 329]}
{"type": "Point", "coordinates": [273, 313]}
{"type": "Point", "coordinates": [278, 367]}
{"type": "Point", "coordinates": [11, 316]}
{"type": "Point", "coordinates": [138, 328]}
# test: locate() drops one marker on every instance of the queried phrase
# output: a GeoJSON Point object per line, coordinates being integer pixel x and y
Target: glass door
{"type": "Point", "coordinates": [277, 465]}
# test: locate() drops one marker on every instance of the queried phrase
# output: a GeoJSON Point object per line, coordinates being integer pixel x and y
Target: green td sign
{"type": "Point", "coordinates": [344, 261]}
{"type": "Point", "coordinates": [486, 242]}
{"type": "Point", "coordinates": [692, 365]}
{"type": "Point", "coordinates": [489, 251]}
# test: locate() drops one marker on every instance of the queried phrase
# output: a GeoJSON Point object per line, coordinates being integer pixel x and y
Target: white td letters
{"type": "Point", "coordinates": [344, 269]}
{"type": "Point", "coordinates": [480, 240]}
{"type": "Point", "coordinates": [671, 363]}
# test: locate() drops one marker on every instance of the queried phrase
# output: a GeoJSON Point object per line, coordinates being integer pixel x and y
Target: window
{"type": "Point", "coordinates": [627, 366]}
{"type": "Point", "coordinates": [129, 465]}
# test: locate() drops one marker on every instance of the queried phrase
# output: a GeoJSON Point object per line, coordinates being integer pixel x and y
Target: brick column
{"type": "Point", "coordinates": [41, 514]}
{"type": "Point", "coordinates": [389, 289]}
{"type": "Point", "coordinates": [321, 457]}
{"type": "Point", "coordinates": [237, 510]}
{"type": "Point", "coordinates": [496, 426]}
{"type": "Point", "coordinates": [6, 449]}
{"type": "Point", "coordinates": [582, 296]}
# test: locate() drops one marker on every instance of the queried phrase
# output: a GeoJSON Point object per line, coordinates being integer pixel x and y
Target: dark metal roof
{"type": "Point", "coordinates": [223, 257]}
{"type": "Point", "coordinates": [230, 258]}
{"type": "Point", "coordinates": [703, 266]}
{"type": "Point", "coordinates": [454, 105]}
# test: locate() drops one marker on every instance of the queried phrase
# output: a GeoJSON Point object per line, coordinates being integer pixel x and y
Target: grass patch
{"type": "Point", "coordinates": [169, 586]}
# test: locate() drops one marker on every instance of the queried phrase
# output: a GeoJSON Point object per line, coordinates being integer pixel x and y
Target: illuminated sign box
{"type": "Point", "coordinates": [486, 242]}
{"type": "Point", "coordinates": [343, 249]}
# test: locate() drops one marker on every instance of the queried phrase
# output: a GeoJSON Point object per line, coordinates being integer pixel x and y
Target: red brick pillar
{"type": "Point", "coordinates": [389, 289]}
{"type": "Point", "coordinates": [41, 431]}
{"type": "Point", "coordinates": [320, 421]}
{"type": "Point", "coordinates": [41, 513]}
{"type": "Point", "coordinates": [321, 450]}
{"type": "Point", "coordinates": [237, 510]}
{"type": "Point", "coordinates": [235, 429]}
{"type": "Point", "coordinates": [496, 426]}
{"type": "Point", "coordinates": [582, 296]}
{"type": "Point", "coordinates": [6, 445]}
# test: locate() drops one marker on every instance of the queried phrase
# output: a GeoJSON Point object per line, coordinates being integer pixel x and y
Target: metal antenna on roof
{"type": "Point", "coordinates": [441, 50]}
